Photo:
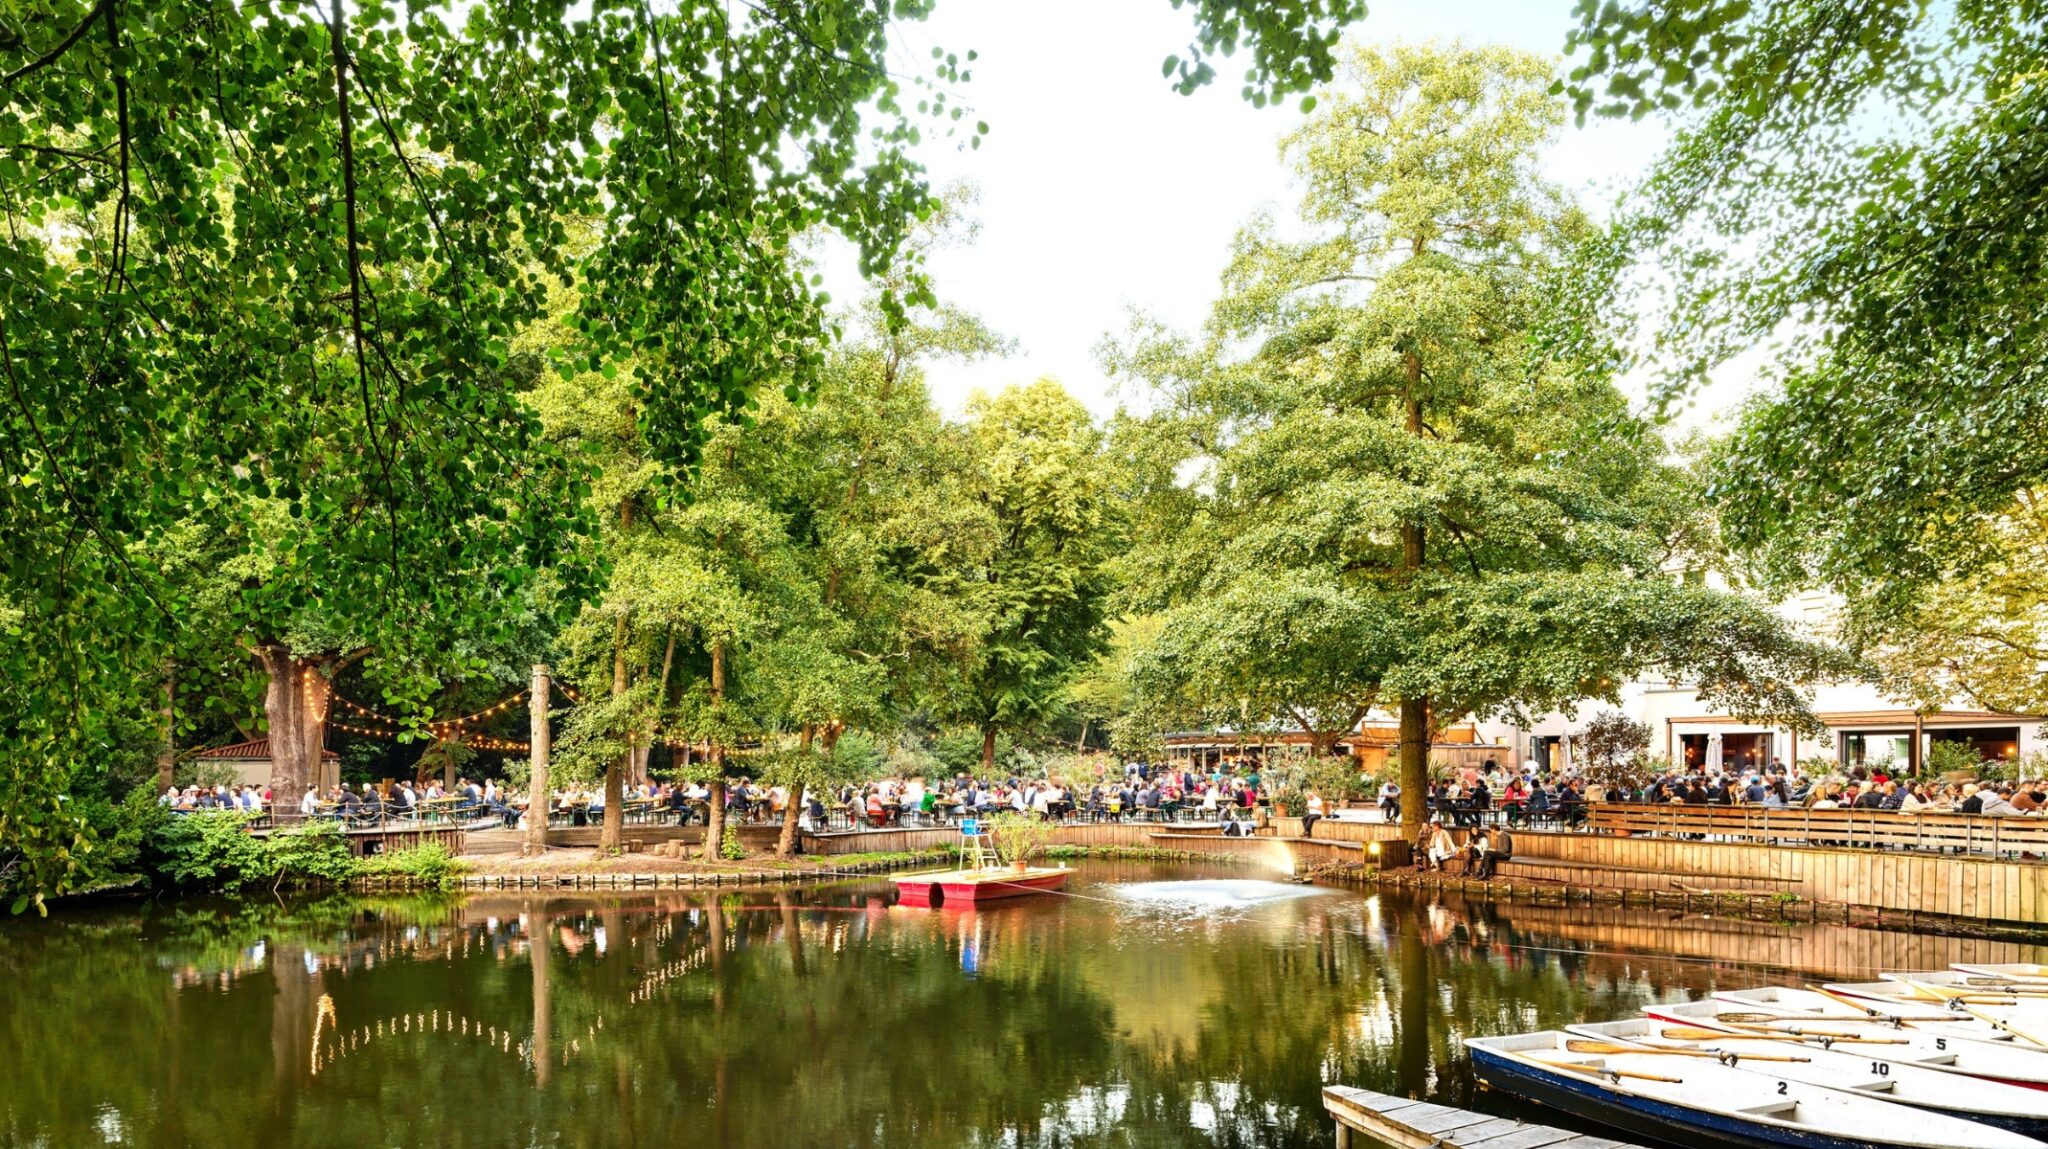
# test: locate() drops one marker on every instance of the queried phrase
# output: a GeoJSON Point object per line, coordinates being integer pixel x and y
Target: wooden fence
{"type": "Point", "coordinates": [1953, 833]}
{"type": "Point", "coordinates": [392, 838]}
{"type": "Point", "coordinates": [1907, 881]}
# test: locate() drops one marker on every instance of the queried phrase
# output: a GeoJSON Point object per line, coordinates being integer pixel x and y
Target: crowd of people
{"type": "Point", "coordinates": [1467, 798]}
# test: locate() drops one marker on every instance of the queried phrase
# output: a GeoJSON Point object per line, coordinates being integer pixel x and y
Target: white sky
{"type": "Point", "coordinates": [1103, 190]}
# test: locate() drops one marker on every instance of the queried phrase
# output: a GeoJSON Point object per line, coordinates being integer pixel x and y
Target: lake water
{"type": "Point", "coordinates": [1148, 1006]}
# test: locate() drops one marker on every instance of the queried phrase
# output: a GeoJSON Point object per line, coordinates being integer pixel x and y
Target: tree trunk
{"type": "Point", "coordinates": [167, 730]}
{"type": "Point", "coordinates": [714, 825]}
{"type": "Point", "coordinates": [613, 833]}
{"type": "Point", "coordinates": [1414, 711]}
{"type": "Point", "coordinates": [295, 703]}
{"type": "Point", "coordinates": [1414, 764]}
{"type": "Point", "coordinates": [537, 787]}
{"type": "Point", "coordinates": [988, 750]}
{"type": "Point", "coordinates": [786, 844]}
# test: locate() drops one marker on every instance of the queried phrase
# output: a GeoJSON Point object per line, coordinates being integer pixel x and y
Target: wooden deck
{"type": "Point", "coordinates": [1385, 1119]}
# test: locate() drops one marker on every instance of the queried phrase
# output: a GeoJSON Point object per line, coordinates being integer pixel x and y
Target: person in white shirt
{"type": "Point", "coordinates": [310, 804]}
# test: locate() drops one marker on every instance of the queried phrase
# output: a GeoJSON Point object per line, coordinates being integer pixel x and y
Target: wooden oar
{"type": "Point", "coordinates": [1947, 993]}
{"type": "Point", "coordinates": [1578, 1067]}
{"type": "Point", "coordinates": [1996, 1022]}
{"type": "Point", "coordinates": [1581, 1045]}
{"type": "Point", "coordinates": [1873, 1013]}
{"type": "Point", "coordinates": [2005, 984]}
{"type": "Point", "coordinates": [1749, 1018]}
{"type": "Point", "coordinates": [1691, 1033]}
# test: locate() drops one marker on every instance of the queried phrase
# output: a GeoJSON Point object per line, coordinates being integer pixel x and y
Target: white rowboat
{"type": "Point", "coordinates": [1704, 1100]}
{"type": "Point", "coordinates": [1859, 1069]}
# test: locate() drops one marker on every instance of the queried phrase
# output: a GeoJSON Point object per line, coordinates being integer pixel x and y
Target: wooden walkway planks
{"type": "Point", "coordinates": [1420, 1125]}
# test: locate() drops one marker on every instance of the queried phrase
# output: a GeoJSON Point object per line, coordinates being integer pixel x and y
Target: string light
{"type": "Point", "coordinates": [495, 708]}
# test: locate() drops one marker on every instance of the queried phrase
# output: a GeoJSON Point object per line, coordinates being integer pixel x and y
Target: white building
{"type": "Point", "coordinates": [1864, 726]}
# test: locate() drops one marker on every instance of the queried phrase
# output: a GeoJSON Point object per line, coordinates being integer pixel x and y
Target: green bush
{"type": "Point", "coordinates": [429, 864]}
{"type": "Point", "coordinates": [310, 852]}
{"type": "Point", "coordinates": [729, 846]}
{"type": "Point", "coordinates": [212, 850]}
{"type": "Point", "coordinates": [1957, 758]}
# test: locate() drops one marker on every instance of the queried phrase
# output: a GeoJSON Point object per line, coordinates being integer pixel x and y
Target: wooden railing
{"type": "Point", "coordinates": [1963, 833]}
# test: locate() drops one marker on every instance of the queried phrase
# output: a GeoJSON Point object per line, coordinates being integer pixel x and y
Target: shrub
{"type": "Point", "coordinates": [1020, 837]}
{"type": "Point", "coordinates": [429, 864]}
{"type": "Point", "coordinates": [1958, 759]}
{"type": "Point", "coordinates": [211, 850]}
{"type": "Point", "coordinates": [311, 852]}
{"type": "Point", "coordinates": [729, 846]}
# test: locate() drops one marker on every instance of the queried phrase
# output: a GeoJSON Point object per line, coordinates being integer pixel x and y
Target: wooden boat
{"type": "Point", "coordinates": [1702, 1100]}
{"type": "Point", "coordinates": [1940, 1049]}
{"type": "Point", "coordinates": [972, 887]}
{"type": "Point", "coordinates": [1862, 1069]}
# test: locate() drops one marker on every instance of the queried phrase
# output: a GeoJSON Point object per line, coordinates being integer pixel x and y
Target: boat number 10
{"type": "Point", "coordinates": [1881, 1068]}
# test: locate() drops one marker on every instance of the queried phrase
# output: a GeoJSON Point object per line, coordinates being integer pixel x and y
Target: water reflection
{"type": "Point", "coordinates": [1143, 1010]}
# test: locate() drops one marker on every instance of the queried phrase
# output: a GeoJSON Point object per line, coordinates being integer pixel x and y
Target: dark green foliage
{"type": "Point", "coordinates": [429, 864]}
{"type": "Point", "coordinates": [1293, 44]}
{"type": "Point", "coordinates": [208, 851]}
{"type": "Point", "coordinates": [310, 852]}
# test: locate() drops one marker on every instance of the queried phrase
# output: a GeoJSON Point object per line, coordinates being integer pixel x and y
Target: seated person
{"type": "Point", "coordinates": [1477, 846]}
{"type": "Point", "coordinates": [1500, 847]}
{"type": "Point", "coordinates": [1436, 846]}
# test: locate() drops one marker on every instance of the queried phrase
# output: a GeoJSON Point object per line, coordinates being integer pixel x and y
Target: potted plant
{"type": "Point", "coordinates": [1020, 837]}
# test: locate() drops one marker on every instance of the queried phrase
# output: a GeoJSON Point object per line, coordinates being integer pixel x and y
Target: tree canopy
{"type": "Point", "coordinates": [1854, 202]}
{"type": "Point", "coordinates": [264, 270]}
{"type": "Point", "coordinates": [1365, 488]}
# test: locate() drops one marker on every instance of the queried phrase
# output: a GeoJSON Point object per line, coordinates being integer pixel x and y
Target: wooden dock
{"type": "Point", "coordinates": [1384, 1119]}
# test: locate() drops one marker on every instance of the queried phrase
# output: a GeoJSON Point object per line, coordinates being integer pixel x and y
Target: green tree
{"type": "Point", "coordinates": [1039, 592]}
{"type": "Point", "coordinates": [1888, 285]}
{"type": "Point", "coordinates": [1363, 488]}
{"type": "Point", "coordinates": [279, 255]}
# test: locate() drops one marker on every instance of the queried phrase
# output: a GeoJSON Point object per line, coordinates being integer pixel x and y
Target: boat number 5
{"type": "Point", "coordinates": [1881, 1068]}
{"type": "Point", "coordinates": [1941, 1043]}
{"type": "Point", "coordinates": [1781, 1089]}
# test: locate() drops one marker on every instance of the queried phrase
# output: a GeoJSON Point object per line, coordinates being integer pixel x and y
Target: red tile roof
{"type": "Point", "coordinates": [260, 748]}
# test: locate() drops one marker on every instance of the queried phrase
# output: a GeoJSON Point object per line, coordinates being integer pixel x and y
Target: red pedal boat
{"type": "Point", "coordinates": [971, 887]}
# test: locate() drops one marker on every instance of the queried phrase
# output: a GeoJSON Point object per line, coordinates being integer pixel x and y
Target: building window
{"type": "Point", "coordinates": [1741, 751]}
{"type": "Point", "coordinates": [1992, 743]}
{"type": "Point", "coordinates": [1886, 751]}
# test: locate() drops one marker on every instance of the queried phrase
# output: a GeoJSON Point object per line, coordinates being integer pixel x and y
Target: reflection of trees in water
{"type": "Point", "coordinates": [781, 1018]}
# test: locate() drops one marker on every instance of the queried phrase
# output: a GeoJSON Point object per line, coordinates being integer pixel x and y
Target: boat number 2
{"type": "Point", "coordinates": [1881, 1068]}
{"type": "Point", "coordinates": [1781, 1089]}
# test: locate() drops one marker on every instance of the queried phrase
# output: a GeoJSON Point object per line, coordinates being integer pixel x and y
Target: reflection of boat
{"type": "Point", "coordinates": [1862, 1069]}
{"type": "Point", "coordinates": [1946, 1046]}
{"type": "Point", "coordinates": [969, 887]}
{"type": "Point", "coordinates": [1651, 1094]}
